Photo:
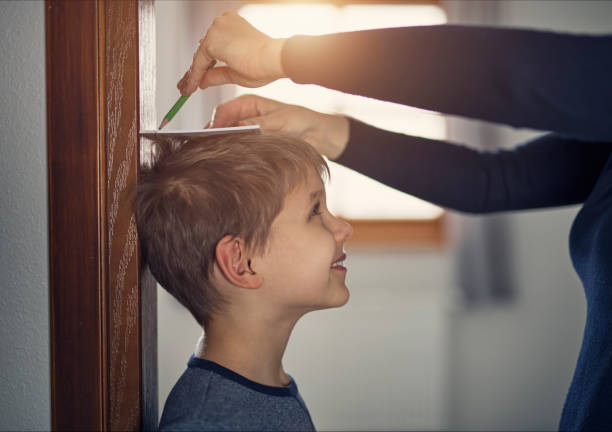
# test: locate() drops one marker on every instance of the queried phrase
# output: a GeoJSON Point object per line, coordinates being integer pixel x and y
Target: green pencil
{"type": "Point", "coordinates": [177, 106]}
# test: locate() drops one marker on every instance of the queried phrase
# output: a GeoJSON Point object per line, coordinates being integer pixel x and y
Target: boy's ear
{"type": "Point", "coordinates": [236, 266]}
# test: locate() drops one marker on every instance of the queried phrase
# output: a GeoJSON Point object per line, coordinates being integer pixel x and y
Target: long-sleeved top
{"type": "Point", "coordinates": [561, 83]}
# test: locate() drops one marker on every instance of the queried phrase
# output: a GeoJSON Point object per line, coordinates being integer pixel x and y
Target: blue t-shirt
{"type": "Point", "coordinates": [210, 397]}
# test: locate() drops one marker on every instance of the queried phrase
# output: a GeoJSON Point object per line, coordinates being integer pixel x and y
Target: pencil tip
{"type": "Point", "coordinates": [163, 123]}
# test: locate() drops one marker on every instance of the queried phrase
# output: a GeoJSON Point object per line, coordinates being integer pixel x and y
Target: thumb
{"type": "Point", "coordinates": [268, 122]}
{"type": "Point", "coordinates": [223, 75]}
{"type": "Point", "coordinates": [226, 75]}
{"type": "Point", "coordinates": [217, 76]}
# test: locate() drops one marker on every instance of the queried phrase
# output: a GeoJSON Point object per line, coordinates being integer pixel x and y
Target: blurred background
{"type": "Point", "coordinates": [479, 329]}
{"type": "Point", "coordinates": [455, 322]}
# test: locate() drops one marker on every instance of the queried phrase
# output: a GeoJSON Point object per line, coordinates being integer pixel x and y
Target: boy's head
{"type": "Point", "coordinates": [214, 211]}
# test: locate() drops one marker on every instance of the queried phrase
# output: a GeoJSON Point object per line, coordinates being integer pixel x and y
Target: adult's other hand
{"type": "Point", "coordinates": [327, 133]}
{"type": "Point", "coordinates": [252, 58]}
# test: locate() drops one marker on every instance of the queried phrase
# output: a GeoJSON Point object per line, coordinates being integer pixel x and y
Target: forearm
{"type": "Point", "coordinates": [550, 171]}
{"type": "Point", "coordinates": [540, 80]}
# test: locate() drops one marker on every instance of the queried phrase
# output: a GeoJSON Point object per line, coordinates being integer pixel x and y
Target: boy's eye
{"type": "Point", "coordinates": [316, 210]}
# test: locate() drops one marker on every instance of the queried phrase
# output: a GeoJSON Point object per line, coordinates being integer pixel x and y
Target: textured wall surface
{"type": "Point", "coordinates": [24, 269]}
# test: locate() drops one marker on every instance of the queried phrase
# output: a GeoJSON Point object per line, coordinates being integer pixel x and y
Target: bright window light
{"type": "Point", "coordinates": [352, 195]}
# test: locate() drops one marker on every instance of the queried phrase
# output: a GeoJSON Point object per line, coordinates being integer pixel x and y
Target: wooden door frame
{"type": "Point", "coordinates": [100, 93]}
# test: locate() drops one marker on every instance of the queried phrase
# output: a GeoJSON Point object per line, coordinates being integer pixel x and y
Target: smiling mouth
{"type": "Point", "coordinates": [338, 264]}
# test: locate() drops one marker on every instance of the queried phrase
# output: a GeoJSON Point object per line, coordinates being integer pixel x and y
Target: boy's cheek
{"type": "Point", "coordinates": [305, 252]}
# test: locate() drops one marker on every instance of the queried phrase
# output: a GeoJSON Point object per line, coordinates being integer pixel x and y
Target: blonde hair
{"type": "Point", "coordinates": [199, 190]}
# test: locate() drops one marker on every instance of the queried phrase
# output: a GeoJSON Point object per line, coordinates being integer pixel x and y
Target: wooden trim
{"type": "Point", "coordinates": [119, 94]}
{"type": "Point", "coordinates": [149, 394]}
{"type": "Point", "coordinates": [409, 233]}
{"type": "Point", "coordinates": [75, 251]}
{"type": "Point", "coordinates": [92, 112]}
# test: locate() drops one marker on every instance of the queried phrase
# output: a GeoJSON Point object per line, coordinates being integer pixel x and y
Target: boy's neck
{"type": "Point", "coordinates": [252, 347]}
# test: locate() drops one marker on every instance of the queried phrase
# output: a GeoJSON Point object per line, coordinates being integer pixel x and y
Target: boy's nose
{"type": "Point", "coordinates": [342, 230]}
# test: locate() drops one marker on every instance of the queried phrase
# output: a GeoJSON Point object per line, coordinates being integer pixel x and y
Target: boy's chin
{"type": "Point", "coordinates": [344, 300]}
{"type": "Point", "coordinates": [339, 300]}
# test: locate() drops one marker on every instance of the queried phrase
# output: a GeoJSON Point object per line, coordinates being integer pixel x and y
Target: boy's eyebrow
{"type": "Point", "coordinates": [316, 194]}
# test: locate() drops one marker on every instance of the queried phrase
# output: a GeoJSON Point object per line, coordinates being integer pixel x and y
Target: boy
{"type": "Point", "coordinates": [236, 228]}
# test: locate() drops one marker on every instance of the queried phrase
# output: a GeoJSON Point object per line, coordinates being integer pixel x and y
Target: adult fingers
{"type": "Point", "coordinates": [226, 75]}
{"type": "Point", "coordinates": [270, 122]}
{"type": "Point", "coordinates": [288, 119]}
{"type": "Point", "coordinates": [201, 63]}
{"type": "Point", "coordinates": [182, 81]}
{"type": "Point", "coordinates": [220, 75]}
{"type": "Point", "coordinates": [242, 108]}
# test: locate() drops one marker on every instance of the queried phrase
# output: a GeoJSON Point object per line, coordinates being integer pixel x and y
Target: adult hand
{"type": "Point", "coordinates": [329, 134]}
{"type": "Point", "coordinates": [253, 59]}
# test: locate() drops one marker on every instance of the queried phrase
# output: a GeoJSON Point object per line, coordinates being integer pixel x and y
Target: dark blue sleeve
{"type": "Point", "coordinates": [549, 81]}
{"type": "Point", "coordinates": [551, 170]}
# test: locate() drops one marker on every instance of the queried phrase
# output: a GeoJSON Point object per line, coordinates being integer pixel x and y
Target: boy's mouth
{"type": "Point", "coordinates": [338, 263]}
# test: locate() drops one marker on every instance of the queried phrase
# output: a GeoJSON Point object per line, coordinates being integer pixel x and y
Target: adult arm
{"type": "Point", "coordinates": [551, 170]}
{"type": "Point", "coordinates": [524, 78]}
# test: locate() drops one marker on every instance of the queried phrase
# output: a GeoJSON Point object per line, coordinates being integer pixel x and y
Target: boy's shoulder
{"type": "Point", "coordinates": [208, 396]}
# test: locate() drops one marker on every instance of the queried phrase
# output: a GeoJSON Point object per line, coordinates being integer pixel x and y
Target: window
{"type": "Point", "coordinates": [350, 194]}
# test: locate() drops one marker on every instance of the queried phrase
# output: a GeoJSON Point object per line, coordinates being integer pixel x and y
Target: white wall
{"type": "Point", "coordinates": [378, 363]}
{"type": "Point", "coordinates": [24, 270]}
{"type": "Point", "coordinates": [179, 26]}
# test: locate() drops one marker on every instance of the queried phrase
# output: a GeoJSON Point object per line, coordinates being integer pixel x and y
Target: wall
{"type": "Point", "coordinates": [510, 365]}
{"type": "Point", "coordinates": [179, 27]}
{"type": "Point", "coordinates": [24, 270]}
